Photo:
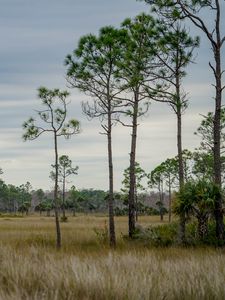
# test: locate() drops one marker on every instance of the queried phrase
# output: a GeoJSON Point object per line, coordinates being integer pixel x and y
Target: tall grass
{"type": "Point", "coordinates": [85, 268]}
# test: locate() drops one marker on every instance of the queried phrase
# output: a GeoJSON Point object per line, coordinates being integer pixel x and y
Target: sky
{"type": "Point", "coordinates": [35, 37]}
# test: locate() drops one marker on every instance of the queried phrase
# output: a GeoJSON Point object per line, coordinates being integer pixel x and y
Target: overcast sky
{"type": "Point", "coordinates": [35, 38]}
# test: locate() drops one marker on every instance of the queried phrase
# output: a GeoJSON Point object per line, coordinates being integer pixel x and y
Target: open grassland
{"type": "Point", "coordinates": [85, 268]}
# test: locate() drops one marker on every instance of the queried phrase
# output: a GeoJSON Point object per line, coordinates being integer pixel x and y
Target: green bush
{"type": "Point", "coordinates": [63, 219]}
{"type": "Point", "coordinates": [158, 236]}
{"type": "Point", "coordinates": [167, 235]}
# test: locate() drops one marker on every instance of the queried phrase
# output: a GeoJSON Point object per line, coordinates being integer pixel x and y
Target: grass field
{"type": "Point", "coordinates": [85, 267]}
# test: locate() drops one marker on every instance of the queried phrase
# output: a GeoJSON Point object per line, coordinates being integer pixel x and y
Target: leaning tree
{"type": "Point", "coordinates": [53, 121]}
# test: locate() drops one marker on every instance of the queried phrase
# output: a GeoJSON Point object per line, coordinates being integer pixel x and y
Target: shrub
{"type": "Point", "coordinates": [64, 219]}
{"type": "Point", "coordinates": [158, 236]}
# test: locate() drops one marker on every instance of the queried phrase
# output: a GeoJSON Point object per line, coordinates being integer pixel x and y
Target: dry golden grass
{"type": "Point", "coordinates": [85, 268]}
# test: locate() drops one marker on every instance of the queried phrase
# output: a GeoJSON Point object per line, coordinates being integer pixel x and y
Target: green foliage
{"type": "Point", "coordinates": [157, 236]}
{"type": "Point", "coordinates": [137, 65]}
{"type": "Point", "coordinates": [45, 204]}
{"type": "Point", "coordinates": [167, 235]}
{"type": "Point", "coordinates": [176, 10]}
{"type": "Point", "coordinates": [54, 116]}
{"type": "Point", "coordinates": [175, 53]}
{"type": "Point", "coordinates": [196, 198]}
{"type": "Point", "coordinates": [120, 211]}
{"type": "Point", "coordinates": [92, 67]}
{"type": "Point", "coordinates": [13, 198]}
{"type": "Point", "coordinates": [86, 200]}
{"type": "Point", "coordinates": [65, 168]}
{"type": "Point", "coordinates": [140, 175]}
{"type": "Point", "coordinates": [205, 131]}
{"type": "Point", "coordinates": [64, 219]}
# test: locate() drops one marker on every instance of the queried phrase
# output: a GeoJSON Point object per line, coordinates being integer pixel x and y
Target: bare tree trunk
{"type": "Point", "coordinates": [136, 202]}
{"type": "Point", "coordinates": [160, 188]}
{"type": "Point", "coordinates": [112, 235]}
{"type": "Point", "coordinates": [58, 232]}
{"type": "Point", "coordinates": [180, 156]}
{"type": "Point", "coordinates": [131, 198]}
{"type": "Point", "coordinates": [218, 212]}
{"type": "Point", "coordinates": [63, 200]}
{"type": "Point", "coordinates": [170, 200]}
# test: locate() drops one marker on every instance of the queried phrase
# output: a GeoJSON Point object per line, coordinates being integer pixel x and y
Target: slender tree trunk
{"type": "Point", "coordinates": [162, 202]}
{"type": "Point", "coordinates": [160, 188]}
{"type": "Point", "coordinates": [58, 232]}
{"type": "Point", "coordinates": [180, 156]}
{"type": "Point", "coordinates": [63, 200]}
{"type": "Point", "coordinates": [112, 235]}
{"type": "Point", "coordinates": [218, 212]}
{"type": "Point", "coordinates": [136, 202]}
{"type": "Point", "coordinates": [170, 200]}
{"type": "Point", "coordinates": [131, 197]}
{"type": "Point", "coordinates": [179, 148]}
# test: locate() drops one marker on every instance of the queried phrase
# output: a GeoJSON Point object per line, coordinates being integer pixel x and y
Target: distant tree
{"type": "Point", "coordinates": [157, 180]}
{"type": "Point", "coordinates": [74, 199]}
{"type": "Point", "coordinates": [170, 170]}
{"type": "Point", "coordinates": [25, 197]}
{"type": "Point", "coordinates": [140, 174]}
{"type": "Point", "coordinates": [3, 195]}
{"type": "Point", "coordinates": [47, 206]}
{"type": "Point", "coordinates": [65, 170]}
{"type": "Point", "coordinates": [13, 196]}
{"type": "Point", "coordinates": [54, 118]}
{"type": "Point", "coordinates": [40, 196]}
{"type": "Point", "coordinates": [92, 200]}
